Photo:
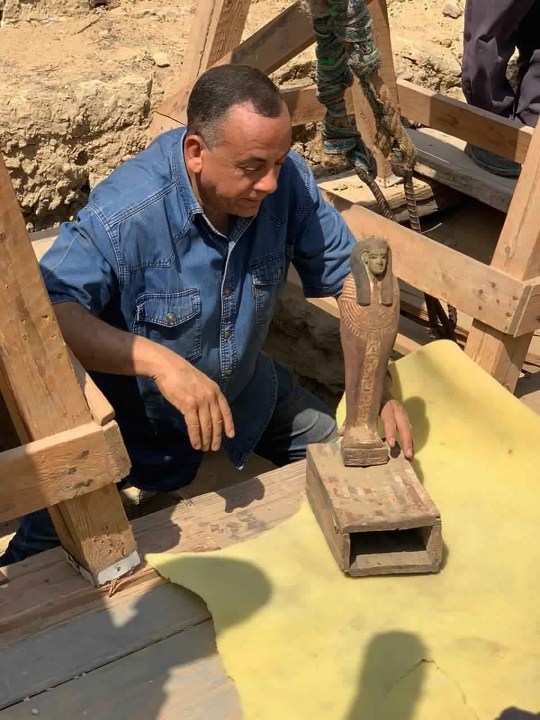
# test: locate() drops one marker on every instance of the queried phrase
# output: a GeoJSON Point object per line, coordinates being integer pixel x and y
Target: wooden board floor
{"type": "Point", "coordinates": [179, 676]}
{"type": "Point", "coordinates": [441, 157]}
{"type": "Point", "coordinates": [78, 653]}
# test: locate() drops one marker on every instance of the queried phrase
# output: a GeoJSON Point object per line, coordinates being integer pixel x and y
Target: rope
{"type": "Point", "coordinates": [345, 48]}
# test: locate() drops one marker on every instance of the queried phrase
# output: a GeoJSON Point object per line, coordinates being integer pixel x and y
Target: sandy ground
{"type": "Point", "coordinates": [127, 37]}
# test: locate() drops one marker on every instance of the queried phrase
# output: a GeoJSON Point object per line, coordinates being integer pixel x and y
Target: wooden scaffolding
{"type": "Point", "coordinates": [60, 626]}
{"type": "Point", "coordinates": [72, 451]}
{"type": "Point", "coordinates": [503, 297]}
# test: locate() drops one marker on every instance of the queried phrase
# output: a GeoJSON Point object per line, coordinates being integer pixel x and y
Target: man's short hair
{"type": "Point", "coordinates": [221, 88]}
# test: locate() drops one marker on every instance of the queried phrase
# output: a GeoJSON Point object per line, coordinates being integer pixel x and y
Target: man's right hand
{"type": "Point", "coordinates": [104, 348]}
{"type": "Point", "coordinates": [199, 399]}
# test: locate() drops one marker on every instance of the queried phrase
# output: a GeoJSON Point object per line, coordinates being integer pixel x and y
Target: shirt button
{"type": "Point", "coordinates": [227, 373]}
{"type": "Point", "coordinates": [170, 318]}
{"type": "Point", "coordinates": [227, 292]}
{"type": "Point", "coordinates": [227, 334]}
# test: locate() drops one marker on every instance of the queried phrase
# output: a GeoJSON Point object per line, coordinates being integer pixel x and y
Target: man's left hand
{"type": "Point", "coordinates": [396, 422]}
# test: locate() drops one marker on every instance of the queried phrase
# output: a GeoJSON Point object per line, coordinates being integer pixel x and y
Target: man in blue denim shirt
{"type": "Point", "coordinates": [166, 284]}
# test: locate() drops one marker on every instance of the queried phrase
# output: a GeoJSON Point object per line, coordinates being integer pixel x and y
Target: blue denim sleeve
{"type": "Point", "coordinates": [323, 243]}
{"type": "Point", "coordinates": [81, 265]}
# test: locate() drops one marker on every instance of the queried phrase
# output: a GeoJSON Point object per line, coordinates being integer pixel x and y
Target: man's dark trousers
{"type": "Point", "coordinates": [493, 30]}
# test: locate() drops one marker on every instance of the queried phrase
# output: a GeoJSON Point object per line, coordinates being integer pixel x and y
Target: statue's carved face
{"type": "Point", "coordinates": [376, 261]}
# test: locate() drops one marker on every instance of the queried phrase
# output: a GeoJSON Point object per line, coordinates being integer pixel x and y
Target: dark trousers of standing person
{"type": "Point", "coordinates": [493, 31]}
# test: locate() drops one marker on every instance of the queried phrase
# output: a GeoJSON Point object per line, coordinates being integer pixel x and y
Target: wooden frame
{"type": "Point", "coordinates": [72, 452]}
{"type": "Point", "coordinates": [503, 297]}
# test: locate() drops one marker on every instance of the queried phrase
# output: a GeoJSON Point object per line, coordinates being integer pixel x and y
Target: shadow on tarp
{"type": "Point", "coordinates": [394, 663]}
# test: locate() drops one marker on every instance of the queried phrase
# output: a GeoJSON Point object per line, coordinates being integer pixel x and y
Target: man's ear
{"type": "Point", "coordinates": [193, 149]}
{"type": "Point", "coordinates": [365, 257]}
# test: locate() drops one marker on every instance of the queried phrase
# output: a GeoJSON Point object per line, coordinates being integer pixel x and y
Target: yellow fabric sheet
{"type": "Point", "coordinates": [304, 642]}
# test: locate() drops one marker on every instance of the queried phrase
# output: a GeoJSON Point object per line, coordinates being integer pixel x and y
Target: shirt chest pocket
{"type": "Point", "coordinates": [267, 275]}
{"type": "Point", "coordinates": [172, 320]}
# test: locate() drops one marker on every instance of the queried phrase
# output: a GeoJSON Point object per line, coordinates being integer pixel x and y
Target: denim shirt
{"type": "Point", "coordinates": [143, 257]}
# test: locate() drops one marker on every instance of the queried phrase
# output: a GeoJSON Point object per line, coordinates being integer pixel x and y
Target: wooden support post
{"type": "Point", "coordinates": [216, 29]}
{"type": "Point", "coordinates": [518, 254]}
{"type": "Point", "coordinates": [44, 398]}
{"type": "Point", "coordinates": [268, 49]}
{"type": "Point", "coordinates": [365, 120]}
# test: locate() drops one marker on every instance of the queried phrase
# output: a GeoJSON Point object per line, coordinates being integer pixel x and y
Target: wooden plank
{"type": "Point", "coordinates": [180, 677]}
{"type": "Point", "coordinates": [52, 657]}
{"type": "Point", "coordinates": [365, 120]}
{"type": "Point", "coordinates": [101, 409]}
{"type": "Point", "coordinates": [517, 253]}
{"type": "Point", "coordinates": [431, 196]}
{"type": "Point", "coordinates": [427, 107]}
{"type": "Point", "coordinates": [304, 106]}
{"type": "Point", "coordinates": [442, 157]}
{"type": "Point", "coordinates": [413, 304]}
{"type": "Point", "coordinates": [268, 49]}
{"type": "Point", "coordinates": [43, 592]}
{"type": "Point", "coordinates": [530, 319]}
{"type": "Point", "coordinates": [37, 372]}
{"type": "Point", "coordinates": [216, 29]}
{"type": "Point", "coordinates": [62, 466]}
{"type": "Point", "coordinates": [8, 435]}
{"type": "Point", "coordinates": [478, 289]}
{"type": "Point", "coordinates": [463, 121]}
{"type": "Point", "coordinates": [42, 393]}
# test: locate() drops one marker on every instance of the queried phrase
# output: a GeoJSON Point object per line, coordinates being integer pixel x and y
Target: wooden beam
{"type": "Point", "coordinates": [304, 106]}
{"type": "Point", "coordinates": [518, 254]}
{"type": "Point", "coordinates": [216, 29]}
{"type": "Point", "coordinates": [42, 393]}
{"type": "Point", "coordinates": [530, 319]}
{"type": "Point", "coordinates": [432, 109]}
{"type": "Point", "coordinates": [439, 156]}
{"type": "Point", "coordinates": [268, 49]}
{"type": "Point", "coordinates": [101, 409]}
{"type": "Point", "coordinates": [442, 158]}
{"type": "Point", "coordinates": [365, 120]}
{"type": "Point", "coordinates": [463, 121]}
{"type": "Point", "coordinates": [62, 466]}
{"type": "Point", "coordinates": [477, 289]}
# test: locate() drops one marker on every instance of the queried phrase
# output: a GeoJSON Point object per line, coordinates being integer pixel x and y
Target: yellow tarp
{"type": "Point", "coordinates": [303, 642]}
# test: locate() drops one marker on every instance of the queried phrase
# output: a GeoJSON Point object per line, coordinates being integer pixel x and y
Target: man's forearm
{"type": "Point", "coordinates": [103, 348]}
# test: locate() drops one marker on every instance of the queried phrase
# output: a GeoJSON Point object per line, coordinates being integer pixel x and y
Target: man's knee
{"type": "Point", "coordinates": [35, 534]}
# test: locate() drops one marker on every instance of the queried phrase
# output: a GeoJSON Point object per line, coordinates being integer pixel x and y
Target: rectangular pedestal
{"type": "Point", "coordinates": [377, 520]}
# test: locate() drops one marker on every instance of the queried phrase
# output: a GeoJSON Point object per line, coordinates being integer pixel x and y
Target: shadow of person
{"type": "Point", "coordinates": [186, 671]}
{"type": "Point", "coordinates": [391, 678]}
{"type": "Point", "coordinates": [136, 656]}
{"type": "Point", "coordinates": [212, 577]}
{"type": "Point", "coordinates": [182, 670]}
{"type": "Point", "coordinates": [252, 491]}
{"type": "Point", "coordinates": [517, 714]}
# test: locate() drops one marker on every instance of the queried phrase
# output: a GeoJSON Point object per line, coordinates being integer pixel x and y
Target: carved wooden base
{"type": "Point", "coordinates": [357, 456]}
{"type": "Point", "coordinates": [378, 520]}
{"type": "Point", "coordinates": [361, 448]}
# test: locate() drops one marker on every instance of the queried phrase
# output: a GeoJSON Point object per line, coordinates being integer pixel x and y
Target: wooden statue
{"type": "Point", "coordinates": [369, 308]}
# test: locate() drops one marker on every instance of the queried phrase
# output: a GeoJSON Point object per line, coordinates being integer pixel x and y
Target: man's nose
{"type": "Point", "coordinates": [268, 183]}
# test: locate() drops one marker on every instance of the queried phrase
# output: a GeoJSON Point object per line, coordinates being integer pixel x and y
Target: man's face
{"type": "Point", "coordinates": [236, 172]}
